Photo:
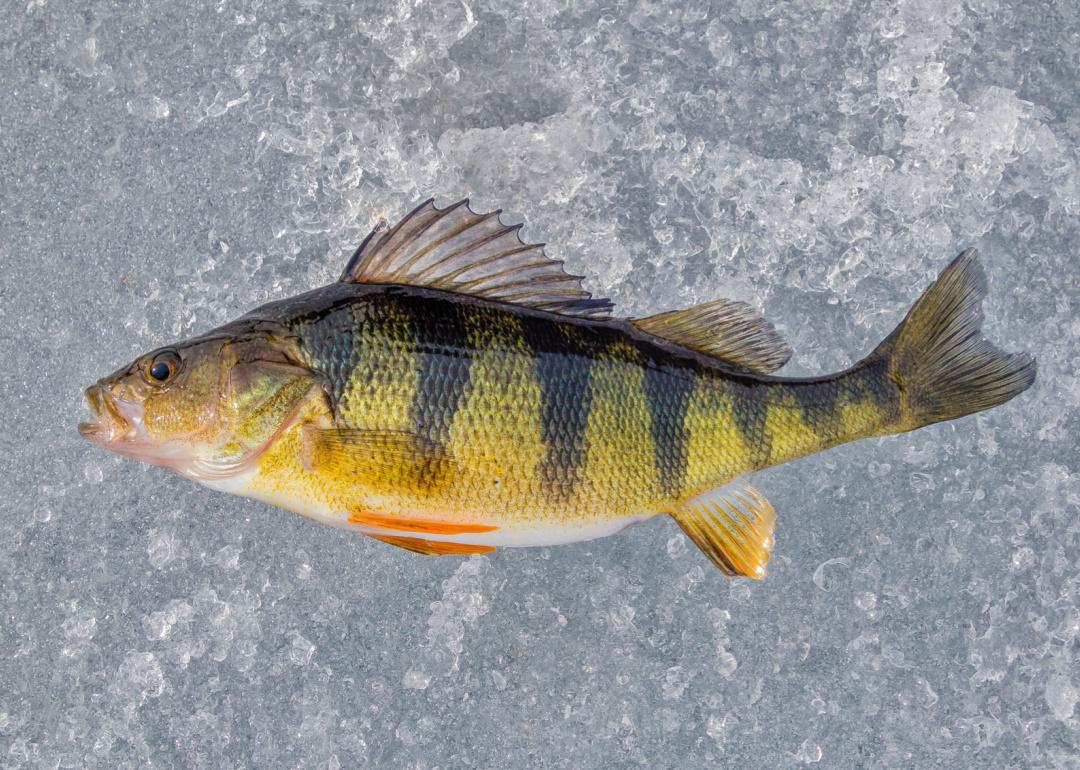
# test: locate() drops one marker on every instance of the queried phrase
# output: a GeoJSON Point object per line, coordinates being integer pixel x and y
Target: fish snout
{"type": "Point", "coordinates": [108, 423]}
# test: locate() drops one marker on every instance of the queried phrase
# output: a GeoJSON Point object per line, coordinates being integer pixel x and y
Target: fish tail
{"type": "Point", "coordinates": [938, 358]}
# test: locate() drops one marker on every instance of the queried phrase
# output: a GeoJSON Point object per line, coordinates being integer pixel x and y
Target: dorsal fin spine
{"type": "Point", "coordinates": [486, 239]}
{"type": "Point", "coordinates": [427, 226]}
{"type": "Point", "coordinates": [379, 230]}
{"type": "Point", "coordinates": [398, 228]}
{"type": "Point", "coordinates": [419, 255]}
{"type": "Point", "coordinates": [476, 283]}
{"type": "Point", "coordinates": [390, 233]}
{"type": "Point", "coordinates": [438, 248]}
{"type": "Point", "coordinates": [541, 281]}
{"type": "Point", "coordinates": [486, 260]}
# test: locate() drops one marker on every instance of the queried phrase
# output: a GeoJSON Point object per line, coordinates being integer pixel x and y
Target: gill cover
{"type": "Point", "coordinates": [263, 394]}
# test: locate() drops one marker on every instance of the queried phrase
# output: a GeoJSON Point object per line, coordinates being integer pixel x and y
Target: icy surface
{"type": "Point", "coordinates": [165, 167]}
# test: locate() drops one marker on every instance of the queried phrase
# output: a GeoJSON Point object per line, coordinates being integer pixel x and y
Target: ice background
{"type": "Point", "coordinates": [164, 168]}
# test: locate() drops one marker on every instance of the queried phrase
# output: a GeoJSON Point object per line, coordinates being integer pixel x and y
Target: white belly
{"type": "Point", "coordinates": [516, 535]}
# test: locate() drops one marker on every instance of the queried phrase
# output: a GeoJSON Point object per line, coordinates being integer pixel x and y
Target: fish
{"type": "Point", "coordinates": [457, 391]}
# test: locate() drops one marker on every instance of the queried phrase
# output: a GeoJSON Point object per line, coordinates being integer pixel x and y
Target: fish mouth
{"type": "Point", "coordinates": [107, 424]}
{"type": "Point", "coordinates": [117, 425]}
{"type": "Point", "coordinates": [113, 422]}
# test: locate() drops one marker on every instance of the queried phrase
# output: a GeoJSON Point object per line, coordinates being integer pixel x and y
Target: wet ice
{"type": "Point", "coordinates": [165, 169]}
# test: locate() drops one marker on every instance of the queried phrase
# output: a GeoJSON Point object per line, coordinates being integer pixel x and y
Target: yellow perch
{"type": "Point", "coordinates": [456, 391]}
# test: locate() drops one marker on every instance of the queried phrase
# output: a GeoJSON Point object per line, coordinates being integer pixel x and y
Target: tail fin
{"type": "Point", "coordinates": [943, 365]}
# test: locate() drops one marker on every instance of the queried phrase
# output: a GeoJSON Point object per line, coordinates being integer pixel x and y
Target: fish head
{"type": "Point", "coordinates": [206, 408]}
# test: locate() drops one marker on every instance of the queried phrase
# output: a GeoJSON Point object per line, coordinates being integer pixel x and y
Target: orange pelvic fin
{"type": "Point", "coordinates": [433, 547]}
{"type": "Point", "coordinates": [423, 526]}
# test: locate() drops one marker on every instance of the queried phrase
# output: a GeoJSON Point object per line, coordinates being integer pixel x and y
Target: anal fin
{"type": "Point", "coordinates": [433, 547]}
{"type": "Point", "coordinates": [733, 525]}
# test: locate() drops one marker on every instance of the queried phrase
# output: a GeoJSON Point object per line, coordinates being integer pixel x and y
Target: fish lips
{"type": "Point", "coordinates": [118, 427]}
{"type": "Point", "coordinates": [109, 424]}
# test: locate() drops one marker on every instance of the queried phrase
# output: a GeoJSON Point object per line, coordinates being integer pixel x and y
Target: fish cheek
{"type": "Point", "coordinates": [187, 409]}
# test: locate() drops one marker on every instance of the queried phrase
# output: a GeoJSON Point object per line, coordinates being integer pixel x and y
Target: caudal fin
{"type": "Point", "coordinates": [939, 359]}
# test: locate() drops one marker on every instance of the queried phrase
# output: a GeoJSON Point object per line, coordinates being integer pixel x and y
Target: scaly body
{"type": "Point", "coordinates": [457, 392]}
{"type": "Point", "coordinates": [557, 427]}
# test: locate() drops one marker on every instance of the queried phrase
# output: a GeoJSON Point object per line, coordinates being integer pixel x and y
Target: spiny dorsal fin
{"type": "Point", "coordinates": [725, 329]}
{"type": "Point", "coordinates": [733, 525]}
{"type": "Point", "coordinates": [456, 249]}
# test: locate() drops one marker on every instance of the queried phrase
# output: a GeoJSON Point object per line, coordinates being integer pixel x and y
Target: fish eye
{"type": "Point", "coordinates": [162, 367]}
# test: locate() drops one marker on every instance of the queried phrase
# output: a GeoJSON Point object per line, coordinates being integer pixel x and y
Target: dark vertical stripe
{"type": "Point", "coordinates": [820, 403]}
{"type": "Point", "coordinates": [873, 383]}
{"type": "Point", "coordinates": [667, 393]}
{"type": "Point", "coordinates": [443, 360]}
{"type": "Point", "coordinates": [750, 412]}
{"type": "Point", "coordinates": [563, 360]}
{"type": "Point", "coordinates": [331, 340]}
{"type": "Point", "coordinates": [819, 406]}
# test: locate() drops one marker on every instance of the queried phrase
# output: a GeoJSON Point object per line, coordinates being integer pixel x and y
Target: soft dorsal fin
{"type": "Point", "coordinates": [725, 329]}
{"type": "Point", "coordinates": [456, 249]}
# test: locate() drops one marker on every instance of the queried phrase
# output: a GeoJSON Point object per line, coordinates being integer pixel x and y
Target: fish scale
{"type": "Point", "coordinates": [612, 424]}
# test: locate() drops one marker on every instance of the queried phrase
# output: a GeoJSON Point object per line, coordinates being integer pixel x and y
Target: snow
{"type": "Point", "coordinates": [165, 167]}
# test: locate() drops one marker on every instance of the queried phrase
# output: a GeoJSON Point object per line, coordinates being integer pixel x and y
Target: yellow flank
{"type": "Point", "coordinates": [787, 434]}
{"type": "Point", "coordinates": [490, 473]}
{"type": "Point", "coordinates": [384, 400]}
{"type": "Point", "coordinates": [620, 473]}
{"type": "Point", "coordinates": [862, 418]}
{"type": "Point", "coordinates": [488, 465]}
{"type": "Point", "coordinates": [495, 436]}
{"type": "Point", "coordinates": [716, 449]}
{"type": "Point", "coordinates": [486, 475]}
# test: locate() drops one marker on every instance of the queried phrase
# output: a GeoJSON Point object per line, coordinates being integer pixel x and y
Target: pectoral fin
{"type": "Point", "coordinates": [733, 525]}
{"type": "Point", "coordinates": [344, 452]}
